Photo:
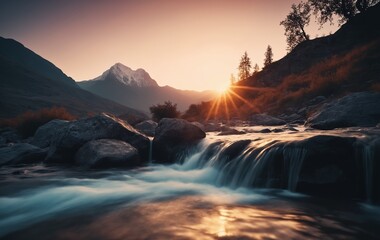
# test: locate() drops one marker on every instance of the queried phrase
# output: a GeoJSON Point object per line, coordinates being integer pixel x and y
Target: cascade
{"type": "Point", "coordinates": [293, 158]}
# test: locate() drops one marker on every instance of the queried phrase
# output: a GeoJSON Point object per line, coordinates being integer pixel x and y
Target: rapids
{"type": "Point", "coordinates": [220, 189]}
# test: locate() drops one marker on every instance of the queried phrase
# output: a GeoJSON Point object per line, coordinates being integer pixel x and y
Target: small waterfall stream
{"type": "Point", "coordinates": [150, 150]}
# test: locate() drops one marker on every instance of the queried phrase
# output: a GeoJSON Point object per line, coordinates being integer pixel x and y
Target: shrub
{"type": "Point", "coordinates": [28, 122]}
{"type": "Point", "coordinates": [166, 110]}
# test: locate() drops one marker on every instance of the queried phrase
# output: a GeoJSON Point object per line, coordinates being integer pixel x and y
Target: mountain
{"type": "Point", "coordinates": [30, 82]}
{"type": "Point", "coordinates": [15, 52]}
{"type": "Point", "coordinates": [125, 75]}
{"type": "Point", "coordinates": [138, 90]}
{"type": "Point", "coordinates": [323, 68]}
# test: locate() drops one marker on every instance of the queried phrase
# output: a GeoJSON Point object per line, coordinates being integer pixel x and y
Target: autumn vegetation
{"type": "Point", "coordinates": [27, 123]}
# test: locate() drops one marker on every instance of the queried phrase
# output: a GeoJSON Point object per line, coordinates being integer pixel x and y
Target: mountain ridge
{"type": "Point", "coordinates": [28, 86]}
{"type": "Point", "coordinates": [120, 87]}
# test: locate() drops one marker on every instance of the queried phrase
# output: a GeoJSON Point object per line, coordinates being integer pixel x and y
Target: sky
{"type": "Point", "coordinates": [187, 44]}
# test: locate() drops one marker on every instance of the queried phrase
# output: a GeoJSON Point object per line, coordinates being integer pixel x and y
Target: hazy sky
{"type": "Point", "coordinates": [187, 44]}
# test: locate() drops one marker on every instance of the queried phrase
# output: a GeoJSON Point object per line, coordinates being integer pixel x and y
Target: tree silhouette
{"type": "Point", "coordinates": [232, 79]}
{"type": "Point", "coordinates": [268, 56]}
{"type": "Point", "coordinates": [256, 68]}
{"type": "Point", "coordinates": [295, 23]}
{"type": "Point", "coordinates": [166, 110]}
{"type": "Point", "coordinates": [244, 67]}
{"type": "Point", "coordinates": [325, 10]}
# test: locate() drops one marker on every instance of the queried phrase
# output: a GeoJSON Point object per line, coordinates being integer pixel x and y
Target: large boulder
{"type": "Point", "coordinates": [266, 120]}
{"type": "Point", "coordinates": [357, 109]}
{"type": "Point", "coordinates": [21, 153]}
{"type": "Point", "coordinates": [327, 165]}
{"type": "Point", "coordinates": [173, 137]}
{"type": "Point", "coordinates": [44, 134]}
{"type": "Point", "coordinates": [105, 153]}
{"type": "Point", "coordinates": [68, 139]}
{"type": "Point", "coordinates": [147, 127]}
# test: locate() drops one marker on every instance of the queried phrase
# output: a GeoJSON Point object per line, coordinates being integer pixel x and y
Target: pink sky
{"type": "Point", "coordinates": [185, 44]}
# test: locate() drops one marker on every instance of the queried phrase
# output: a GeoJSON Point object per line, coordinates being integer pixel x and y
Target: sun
{"type": "Point", "coordinates": [222, 88]}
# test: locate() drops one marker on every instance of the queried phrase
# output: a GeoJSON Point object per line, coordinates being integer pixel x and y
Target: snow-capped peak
{"type": "Point", "coordinates": [127, 76]}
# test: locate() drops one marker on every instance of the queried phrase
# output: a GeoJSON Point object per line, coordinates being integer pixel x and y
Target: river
{"type": "Point", "coordinates": [203, 196]}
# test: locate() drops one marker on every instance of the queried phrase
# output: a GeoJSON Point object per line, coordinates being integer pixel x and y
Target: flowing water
{"type": "Point", "coordinates": [222, 189]}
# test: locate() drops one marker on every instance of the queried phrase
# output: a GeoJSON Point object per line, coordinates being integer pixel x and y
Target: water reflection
{"type": "Point", "coordinates": [196, 217]}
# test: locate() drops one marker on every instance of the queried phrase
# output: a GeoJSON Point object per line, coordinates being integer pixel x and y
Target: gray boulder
{"type": "Point", "coordinates": [105, 153]}
{"type": "Point", "coordinates": [147, 127]}
{"type": "Point", "coordinates": [173, 137]}
{"type": "Point", "coordinates": [357, 109]}
{"type": "Point", "coordinates": [21, 153]}
{"type": "Point", "coordinates": [68, 139]}
{"type": "Point", "coordinates": [266, 120]}
{"type": "Point", "coordinates": [200, 125]}
{"type": "Point", "coordinates": [44, 134]}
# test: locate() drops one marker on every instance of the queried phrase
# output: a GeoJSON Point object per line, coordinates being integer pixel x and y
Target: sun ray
{"type": "Point", "coordinates": [226, 108]}
{"type": "Point", "coordinates": [241, 98]}
{"type": "Point", "coordinates": [232, 101]}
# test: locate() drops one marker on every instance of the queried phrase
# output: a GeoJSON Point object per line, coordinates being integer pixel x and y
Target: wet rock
{"type": "Point", "coordinates": [234, 150]}
{"type": "Point", "coordinates": [74, 135]}
{"type": "Point", "coordinates": [44, 134]}
{"type": "Point", "coordinates": [277, 130]}
{"type": "Point", "coordinates": [212, 127]}
{"type": "Point", "coordinates": [147, 127]}
{"type": "Point", "coordinates": [265, 130]}
{"type": "Point", "coordinates": [328, 167]}
{"type": "Point", "coordinates": [357, 109]}
{"type": "Point", "coordinates": [9, 135]}
{"type": "Point", "coordinates": [225, 130]}
{"type": "Point", "coordinates": [106, 153]}
{"type": "Point", "coordinates": [173, 137]}
{"type": "Point", "coordinates": [21, 153]}
{"type": "Point", "coordinates": [266, 120]}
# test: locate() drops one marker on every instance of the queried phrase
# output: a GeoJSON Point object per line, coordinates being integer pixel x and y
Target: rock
{"type": "Point", "coordinates": [277, 130]}
{"type": "Point", "coordinates": [292, 118]}
{"type": "Point", "coordinates": [328, 167]}
{"type": "Point", "coordinates": [212, 127]}
{"type": "Point", "coordinates": [225, 130]}
{"type": "Point", "coordinates": [147, 127]}
{"type": "Point", "coordinates": [9, 135]}
{"type": "Point", "coordinates": [266, 120]}
{"type": "Point", "coordinates": [44, 134]}
{"type": "Point", "coordinates": [105, 153]}
{"type": "Point", "coordinates": [68, 139]}
{"type": "Point", "coordinates": [21, 153]}
{"type": "Point", "coordinates": [265, 130]}
{"type": "Point", "coordinates": [316, 100]}
{"type": "Point", "coordinates": [200, 125]}
{"type": "Point", "coordinates": [173, 137]}
{"type": "Point", "coordinates": [357, 109]}
{"type": "Point", "coordinates": [233, 150]}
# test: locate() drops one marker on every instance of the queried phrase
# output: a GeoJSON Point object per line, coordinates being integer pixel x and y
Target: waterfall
{"type": "Point", "coordinates": [238, 164]}
{"type": "Point", "coordinates": [294, 158]}
{"type": "Point", "coordinates": [150, 150]}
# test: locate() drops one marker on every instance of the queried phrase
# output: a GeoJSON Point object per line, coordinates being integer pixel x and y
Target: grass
{"type": "Point", "coordinates": [28, 122]}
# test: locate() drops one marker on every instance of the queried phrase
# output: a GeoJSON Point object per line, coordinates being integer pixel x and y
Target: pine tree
{"type": "Point", "coordinates": [268, 56]}
{"type": "Point", "coordinates": [244, 67]}
{"type": "Point", "coordinates": [256, 68]}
